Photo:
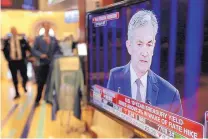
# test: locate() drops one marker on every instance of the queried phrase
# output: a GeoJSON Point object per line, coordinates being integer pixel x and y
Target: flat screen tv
{"type": "Point", "coordinates": [147, 65]}
{"type": "Point", "coordinates": [71, 16]}
{"type": "Point", "coordinates": [20, 4]}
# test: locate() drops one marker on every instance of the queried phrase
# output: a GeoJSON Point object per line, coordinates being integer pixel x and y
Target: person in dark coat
{"type": "Point", "coordinates": [45, 48]}
{"type": "Point", "coordinates": [14, 49]}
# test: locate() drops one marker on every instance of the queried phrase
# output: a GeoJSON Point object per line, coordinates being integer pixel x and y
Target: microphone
{"type": "Point", "coordinates": [118, 89]}
{"type": "Point", "coordinates": [148, 102]}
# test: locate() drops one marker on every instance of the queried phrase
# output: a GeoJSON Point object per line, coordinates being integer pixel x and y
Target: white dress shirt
{"type": "Point", "coordinates": [143, 85]}
{"type": "Point", "coordinates": [14, 49]}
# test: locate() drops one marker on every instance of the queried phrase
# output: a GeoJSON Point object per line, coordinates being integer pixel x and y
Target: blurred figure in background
{"type": "Point", "coordinates": [15, 48]}
{"type": "Point", "coordinates": [45, 48]}
{"type": "Point", "coordinates": [74, 45]}
{"type": "Point", "coordinates": [68, 46]}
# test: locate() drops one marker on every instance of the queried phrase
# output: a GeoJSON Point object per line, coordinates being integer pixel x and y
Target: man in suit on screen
{"type": "Point", "coordinates": [135, 79]}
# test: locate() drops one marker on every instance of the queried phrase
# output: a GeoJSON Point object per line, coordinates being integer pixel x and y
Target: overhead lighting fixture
{"type": "Point", "coordinates": [51, 2]}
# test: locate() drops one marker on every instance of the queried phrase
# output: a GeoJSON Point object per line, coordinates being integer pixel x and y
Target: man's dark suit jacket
{"type": "Point", "coordinates": [23, 44]}
{"type": "Point", "coordinates": [160, 93]}
{"type": "Point", "coordinates": [41, 47]}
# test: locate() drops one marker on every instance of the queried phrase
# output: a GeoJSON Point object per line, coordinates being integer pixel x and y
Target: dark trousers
{"type": "Point", "coordinates": [14, 66]}
{"type": "Point", "coordinates": [42, 74]}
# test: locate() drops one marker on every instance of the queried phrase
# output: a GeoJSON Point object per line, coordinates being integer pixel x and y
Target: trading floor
{"type": "Point", "coordinates": [104, 68]}
{"type": "Point", "coordinates": [21, 120]}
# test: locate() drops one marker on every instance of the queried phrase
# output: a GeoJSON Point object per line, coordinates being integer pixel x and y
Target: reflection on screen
{"type": "Point", "coordinates": [154, 72]}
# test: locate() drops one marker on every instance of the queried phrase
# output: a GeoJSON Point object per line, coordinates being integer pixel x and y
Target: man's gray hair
{"type": "Point", "coordinates": [140, 19]}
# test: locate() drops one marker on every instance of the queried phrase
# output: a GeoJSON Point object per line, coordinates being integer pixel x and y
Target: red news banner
{"type": "Point", "coordinates": [171, 121]}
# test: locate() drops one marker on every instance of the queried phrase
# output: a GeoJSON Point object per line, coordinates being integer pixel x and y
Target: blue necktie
{"type": "Point", "coordinates": [138, 96]}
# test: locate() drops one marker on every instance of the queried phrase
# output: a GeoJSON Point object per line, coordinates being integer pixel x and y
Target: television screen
{"type": "Point", "coordinates": [148, 65]}
{"type": "Point", "coordinates": [71, 16]}
{"type": "Point", "coordinates": [20, 4]}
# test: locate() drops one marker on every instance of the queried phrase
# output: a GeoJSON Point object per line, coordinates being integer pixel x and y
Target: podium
{"type": "Point", "coordinates": [65, 91]}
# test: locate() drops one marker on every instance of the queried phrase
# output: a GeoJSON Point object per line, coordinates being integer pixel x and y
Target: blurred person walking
{"type": "Point", "coordinates": [15, 48]}
{"type": "Point", "coordinates": [45, 48]}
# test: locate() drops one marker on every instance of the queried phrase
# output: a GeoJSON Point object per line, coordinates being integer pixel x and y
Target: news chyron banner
{"type": "Point", "coordinates": [103, 19]}
{"type": "Point", "coordinates": [155, 121]}
{"type": "Point", "coordinates": [206, 124]}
